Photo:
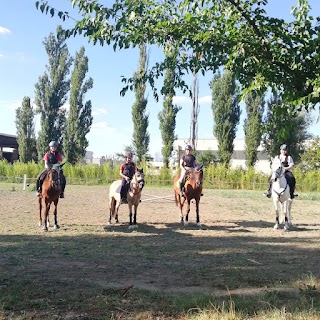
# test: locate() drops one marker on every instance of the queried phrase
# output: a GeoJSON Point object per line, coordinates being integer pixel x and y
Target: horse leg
{"type": "Point", "coordinates": [285, 211]}
{"type": "Point", "coordinates": [187, 213]}
{"type": "Point", "coordinates": [117, 205]}
{"type": "Point", "coordinates": [55, 213]}
{"type": "Point", "coordinates": [197, 212]}
{"type": "Point", "coordinates": [289, 212]}
{"type": "Point", "coordinates": [130, 216]}
{"type": "Point", "coordinates": [45, 217]}
{"type": "Point", "coordinates": [181, 204]}
{"type": "Point", "coordinates": [276, 226]}
{"type": "Point", "coordinates": [135, 217]}
{"type": "Point", "coordinates": [40, 209]}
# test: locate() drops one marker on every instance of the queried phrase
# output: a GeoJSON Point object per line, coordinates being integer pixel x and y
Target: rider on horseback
{"type": "Point", "coordinates": [127, 170]}
{"type": "Point", "coordinates": [187, 162]}
{"type": "Point", "coordinates": [288, 163]}
{"type": "Point", "coordinates": [50, 158]}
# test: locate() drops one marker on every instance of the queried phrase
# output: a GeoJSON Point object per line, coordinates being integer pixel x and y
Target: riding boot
{"type": "Point", "coordinates": [63, 186]}
{"type": "Point", "coordinates": [38, 188]}
{"type": "Point", "coordinates": [123, 195]}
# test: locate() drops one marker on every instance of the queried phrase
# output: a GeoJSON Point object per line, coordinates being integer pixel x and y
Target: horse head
{"type": "Point", "coordinates": [198, 173]}
{"type": "Point", "coordinates": [137, 182]}
{"type": "Point", "coordinates": [278, 169]}
{"type": "Point", "coordinates": [54, 176]}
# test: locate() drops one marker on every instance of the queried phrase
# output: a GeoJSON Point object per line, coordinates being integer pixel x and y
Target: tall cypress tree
{"type": "Point", "coordinates": [51, 91]}
{"type": "Point", "coordinates": [253, 126]}
{"type": "Point", "coordinates": [79, 119]}
{"type": "Point", "coordinates": [283, 126]}
{"type": "Point", "coordinates": [167, 117]}
{"type": "Point", "coordinates": [141, 137]}
{"type": "Point", "coordinates": [226, 113]}
{"type": "Point", "coordinates": [25, 131]}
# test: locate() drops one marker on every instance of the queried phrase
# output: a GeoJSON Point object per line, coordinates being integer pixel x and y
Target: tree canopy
{"type": "Point", "coordinates": [262, 51]}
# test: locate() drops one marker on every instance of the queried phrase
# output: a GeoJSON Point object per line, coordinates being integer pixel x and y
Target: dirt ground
{"type": "Point", "coordinates": [236, 250]}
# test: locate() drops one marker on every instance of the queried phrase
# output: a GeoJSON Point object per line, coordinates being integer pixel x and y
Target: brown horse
{"type": "Point", "coordinates": [51, 189]}
{"type": "Point", "coordinates": [133, 197]}
{"type": "Point", "coordinates": [193, 190]}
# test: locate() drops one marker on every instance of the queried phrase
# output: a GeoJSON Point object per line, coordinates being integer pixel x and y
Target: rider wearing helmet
{"type": "Point", "coordinates": [288, 164]}
{"type": "Point", "coordinates": [50, 158]}
{"type": "Point", "coordinates": [127, 170]}
{"type": "Point", "coordinates": [187, 162]}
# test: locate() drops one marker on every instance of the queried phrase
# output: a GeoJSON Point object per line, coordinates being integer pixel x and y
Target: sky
{"type": "Point", "coordinates": [23, 60]}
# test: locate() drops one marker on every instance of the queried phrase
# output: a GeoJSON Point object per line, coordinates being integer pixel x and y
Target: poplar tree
{"type": "Point", "coordinates": [25, 131]}
{"type": "Point", "coordinates": [51, 91]}
{"type": "Point", "coordinates": [226, 113]}
{"type": "Point", "coordinates": [253, 126]}
{"type": "Point", "coordinates": [167, 117]}
{"type": "Point", "coordinates": [79, 118]}
{"type": "Point", "coordinates": [140, 137]}
{"type": "Point", "coordinates": [282, 126]}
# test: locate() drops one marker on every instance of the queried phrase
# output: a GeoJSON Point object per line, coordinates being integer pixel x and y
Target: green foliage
{"type": "Point", "coordinates": [79, 119]}
{"type": "Point", "coordinates": [253, 126]}
{"type": "Point", "coordinates": [51, 92]}
{"type": "Point", "coordinates": [167, 117]}
{"type": "Point", "coordinates": [140, 136]}
{"type": "Point", "coordinates": [283, 126]}
{"type": "Point", "coordinates": [263, 51]}
{"type": "Point", "coordinates": [25, 131]}
{"type": "Point", "coordinates": [226, 113]}
{"type": "Point", "coordinates": [310, 159]}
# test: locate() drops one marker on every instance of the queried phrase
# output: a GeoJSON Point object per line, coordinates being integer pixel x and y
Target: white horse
{"type": "Point", "coordinates": [281, 194]}
{"type": "Point", "coordinates": [133, 197]}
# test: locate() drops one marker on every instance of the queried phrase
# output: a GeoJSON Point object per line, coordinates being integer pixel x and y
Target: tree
{"type": "Point", "coordinates": [283, 126]}
{"type": "Point", "coordinates": [141, 137]}
{"type": "Point", "coordinates": [194, 112]}
{"type": "Point", "coordinates": [25, 131]}
{"type": "Point", "coordinates": [167, 116]}
{"type": "Point", "coordinates": [253, 126]}
{"type": "Point", "coordinates": [226, 113]}
{"type": "Point", "coordinates": [51, 91]}
{"type": "Point", "coordinates": [262, 51]}
{"type": "Point", "coordinates": [311, 157]}
{"type": "Point", "coordinates": [79, 119]}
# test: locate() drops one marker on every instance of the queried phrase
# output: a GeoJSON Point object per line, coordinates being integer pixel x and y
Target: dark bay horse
{"type": "Point", "coordinates": [51, 189]}
{"type": "Point", "coordinates": [193, 190]}
{"type": "Point", "coordinates": [133, 198]}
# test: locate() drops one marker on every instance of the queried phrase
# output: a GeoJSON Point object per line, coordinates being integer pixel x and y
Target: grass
{"type": "Point", "coordinates": [235, 267]}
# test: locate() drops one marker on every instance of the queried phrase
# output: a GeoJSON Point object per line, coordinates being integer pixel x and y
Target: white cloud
{"type": "Point", "coordinates": [99, 111]}
{"type": "Point", "coordinates": [4, 30]}
{"type": "Point", "coordinates": [188, 100]}
{"type": "Point", "coordinates": [10, 105]}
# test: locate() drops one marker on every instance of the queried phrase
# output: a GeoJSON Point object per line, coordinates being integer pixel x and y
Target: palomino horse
{"type": "Point", "coordinates": [51, 189]}
{"type": "Point", "coordinates": [281, 194]}
{"type": "Point", "coordinates": [193, 190]}
{"type": "Point", "coordinates": [133, 197]}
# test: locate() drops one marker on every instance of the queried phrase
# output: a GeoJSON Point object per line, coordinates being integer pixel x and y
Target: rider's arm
{"type": "Point", "coordinates": [181, 163]}
{"type": "Point", "coordinates": [290, 164]}
{"type": "Point", "coordinates": [121, 172]}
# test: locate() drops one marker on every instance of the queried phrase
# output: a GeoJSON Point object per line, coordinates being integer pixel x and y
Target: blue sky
{"type": "Point", "coordinates": [23, 60]}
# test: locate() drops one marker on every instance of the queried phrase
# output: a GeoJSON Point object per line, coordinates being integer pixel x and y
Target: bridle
{"type": "Point", "coordinates": [55, 178]}
{"type": "Point", "coordinates": [137, 183]}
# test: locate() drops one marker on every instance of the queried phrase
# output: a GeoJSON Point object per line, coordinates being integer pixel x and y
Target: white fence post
{"type": "Point", "coordinates": [24, 181]}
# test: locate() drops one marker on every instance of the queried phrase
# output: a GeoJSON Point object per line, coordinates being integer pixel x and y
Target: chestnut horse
{"type": "Point", "coordinates": [193, 190]}
{"type": "Point", "coordinates": [51, 189]}
{"type": "Point", "coordinates": [133, 197]}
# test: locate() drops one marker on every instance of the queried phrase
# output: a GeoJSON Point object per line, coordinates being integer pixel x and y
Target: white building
{"type": "Point", "coordinates": [238, 158]}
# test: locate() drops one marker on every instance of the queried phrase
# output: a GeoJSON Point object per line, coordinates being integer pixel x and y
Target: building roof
{"type": "Point", "coordinates": [8, 141]}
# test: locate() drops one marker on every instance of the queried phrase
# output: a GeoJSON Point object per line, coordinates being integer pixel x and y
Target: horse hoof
{"type": "Point", "coordinates": [186, 223]}
{"type": "Point", "coordinates": [131, 227]}
{"type": "Point", "coordinates": [181, 221]}
{"type": "Point", "coordinates": [44, 229]}
{"type": "Point", "coordinates": [286, 227]}
{"type": "Point", "coordinates": [135, 226]}
{"type": "Point", "coordinates": [276, 226]}
{"type": "Point", "coordinates": [56, 227]}
{"type": "Point", "coordinates": [199, 224]}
